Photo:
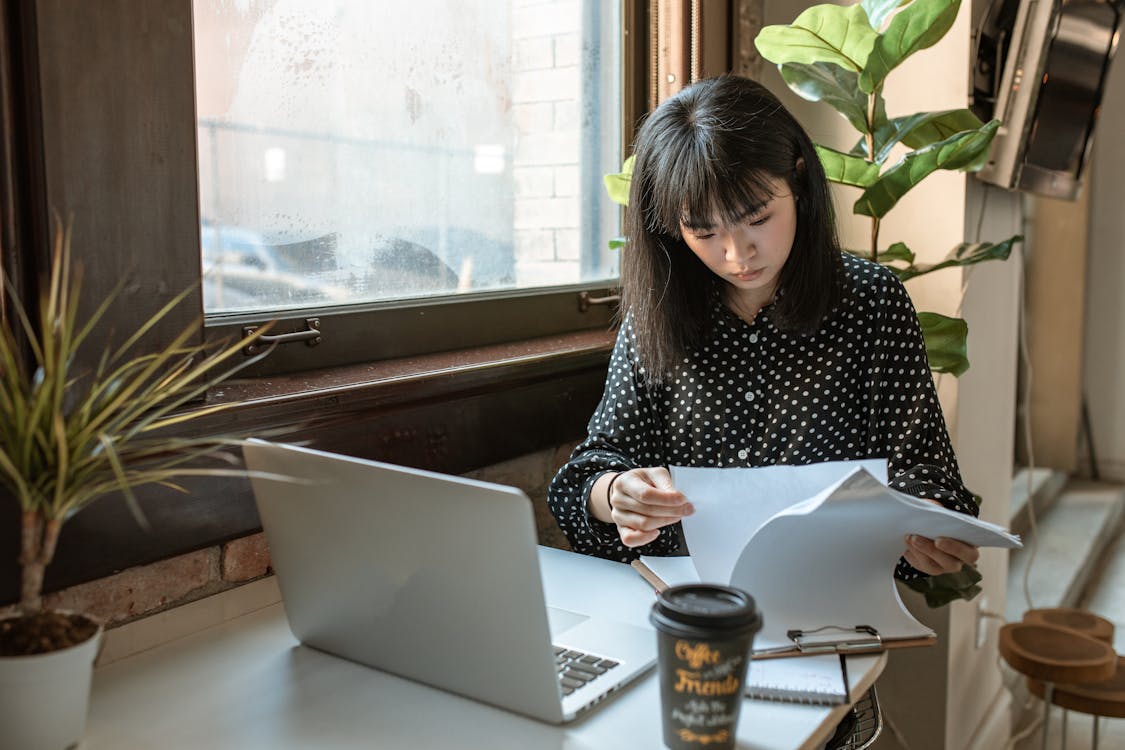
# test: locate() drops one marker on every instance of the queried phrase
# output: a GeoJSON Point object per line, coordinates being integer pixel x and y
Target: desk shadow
{"type": "Point", "coordinates": [324, 699]}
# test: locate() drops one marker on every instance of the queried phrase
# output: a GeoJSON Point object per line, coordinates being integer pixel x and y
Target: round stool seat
{"type": "Point", "coordinates": [1053, 654]}
{"type": "Point", "coordinates": [1106, 698]}
{"type": "Point", "coordinates": [1084, 622]}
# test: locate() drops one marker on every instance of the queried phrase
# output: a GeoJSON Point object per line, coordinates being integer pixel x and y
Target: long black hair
{"type": "Point", "coordinates": [712, 151]}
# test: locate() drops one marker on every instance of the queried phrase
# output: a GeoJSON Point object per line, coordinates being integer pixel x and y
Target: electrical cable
{"type": "Point", "coordinates": [890, 725]}
{"type": "Point", "coordinates": [1088, 431]}
{"type": "Point", "coordinates": [1025, 732]}
{"type": "Point", "coordinates": [1025, 359]}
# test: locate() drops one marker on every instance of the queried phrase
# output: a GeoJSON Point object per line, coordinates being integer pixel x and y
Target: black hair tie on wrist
{"type": "Point", "coordinates": [609, 490]}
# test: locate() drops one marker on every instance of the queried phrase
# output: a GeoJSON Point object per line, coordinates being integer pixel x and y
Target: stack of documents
{"type": "Point", "coordinates": [816, 546]}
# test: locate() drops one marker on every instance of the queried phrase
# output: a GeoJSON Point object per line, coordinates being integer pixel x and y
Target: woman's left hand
{"type": "Point", "coordinates": [937, 556]}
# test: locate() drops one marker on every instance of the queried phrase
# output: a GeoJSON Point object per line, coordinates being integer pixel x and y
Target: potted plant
{"type": "Point", "coordinates": [68, 437]}
{"type": "Point", "coordinates": [841, 56]}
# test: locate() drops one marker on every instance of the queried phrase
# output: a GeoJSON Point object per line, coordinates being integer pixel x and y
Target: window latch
{"type": "Point", "coordinates": [586, 301]}
{"type": "Point", "coordinates": [311, 336]}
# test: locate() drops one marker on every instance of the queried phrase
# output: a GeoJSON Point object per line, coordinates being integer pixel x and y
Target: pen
{"type": "Point", "coordinates": [646, 573]}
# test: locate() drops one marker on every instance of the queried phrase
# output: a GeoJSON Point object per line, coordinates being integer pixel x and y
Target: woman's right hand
{"type": "Point", "coordinates": [640, 502]}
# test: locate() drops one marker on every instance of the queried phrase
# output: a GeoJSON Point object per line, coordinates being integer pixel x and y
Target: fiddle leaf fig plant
{"type": "Point", "coordinates": [841, 57]}
{"type": "Point", "coordinates": [617, 185]}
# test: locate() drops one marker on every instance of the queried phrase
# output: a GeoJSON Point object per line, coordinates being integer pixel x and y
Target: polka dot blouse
{"type": "Point", "coordinates": [753, 395]}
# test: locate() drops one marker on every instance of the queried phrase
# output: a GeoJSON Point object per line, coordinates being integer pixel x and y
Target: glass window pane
{"type": "Point", "coordinates": [353, 151]}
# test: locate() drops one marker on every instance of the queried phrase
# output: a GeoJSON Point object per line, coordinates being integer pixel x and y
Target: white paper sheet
{"type": "Point", "coordinates": [732, 504]}
{"type": "Point", "coordinates": [822, 558]}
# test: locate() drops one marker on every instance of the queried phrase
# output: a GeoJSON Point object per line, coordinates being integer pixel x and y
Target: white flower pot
{"type": "Point", "coordinates": [44, 697]}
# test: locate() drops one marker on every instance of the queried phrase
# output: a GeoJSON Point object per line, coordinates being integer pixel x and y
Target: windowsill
{"type": "Point", "coordinates": [187, 619]}
{"type": "Point", "coordinates": [282, 400]}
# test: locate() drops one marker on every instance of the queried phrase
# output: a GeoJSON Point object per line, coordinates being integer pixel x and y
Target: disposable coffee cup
{"type": "Point", "coordinates": [705, 633]}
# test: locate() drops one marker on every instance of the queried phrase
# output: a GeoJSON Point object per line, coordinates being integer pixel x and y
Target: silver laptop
{"type": "Point", "coordinates": [434, 578]}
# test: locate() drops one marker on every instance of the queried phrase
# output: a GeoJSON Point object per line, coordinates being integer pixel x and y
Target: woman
{"type": "Point", "coordinates": [747, 337]}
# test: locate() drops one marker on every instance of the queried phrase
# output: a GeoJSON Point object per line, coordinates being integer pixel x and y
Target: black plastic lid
{"type": "Point", "coordinates": [706, 605]}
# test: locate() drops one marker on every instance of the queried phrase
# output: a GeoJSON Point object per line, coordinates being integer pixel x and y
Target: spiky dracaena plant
{"type": "Point", "coordinates": [67, 437]}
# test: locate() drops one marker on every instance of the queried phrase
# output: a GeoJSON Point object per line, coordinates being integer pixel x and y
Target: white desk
{"type": "Point", "coordinates": [249, 684]}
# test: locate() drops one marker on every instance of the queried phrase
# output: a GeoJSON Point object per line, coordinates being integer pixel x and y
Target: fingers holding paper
{"type": "Point", "coordinates": [643, 501]}
{"type": "Point", "coordinates": [937, 556]}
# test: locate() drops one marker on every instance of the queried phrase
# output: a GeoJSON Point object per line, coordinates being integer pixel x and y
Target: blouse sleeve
{"type": "Point", "coordinates": [625, 432]}
{"type": "Point", "coordinates": [906, 418]}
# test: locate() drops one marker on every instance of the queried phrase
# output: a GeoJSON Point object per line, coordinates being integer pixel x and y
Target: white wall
{"type": "Point", "coordinates": [1104, 360]}
{"type": "Point", "coordinates": [939, 696]}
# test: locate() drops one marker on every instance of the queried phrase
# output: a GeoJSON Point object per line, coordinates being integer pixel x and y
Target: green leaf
{"type": "Point", "coordinates": [839, 88]}
{"type": "Point", "coordinates": [965, 254]}
{"type": "Point", "coordinates": [845, 169]}
{"type": "Point", "coordinates": [897, 251]}
{"type": "Point", "coordinates": [617, 243]}
{"type": "Point", "coordinates": [978, 162]}
{"type": "Point", "coordinates": [919, 130]}
{"type": "Point", "coordinates": [823, 33]}
{"type": "Point", "coordinates": [879, 10]}
{"type": "Point", "coordinates": [964, 151]}
{"type": "Point", "coordinates": [930, 127]}
{"type": "Point", "coordinates": [920, 25]}
{"type": "Point", "coordinates": [617, 185]}
{"type": "Point", "coordinates": [948, 587]}
{"type": "Point", "coordinates": [945, 342]}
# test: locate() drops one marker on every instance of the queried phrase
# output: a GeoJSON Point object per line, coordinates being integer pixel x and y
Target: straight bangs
{"type": "Point", "coordinates": [701, 188]}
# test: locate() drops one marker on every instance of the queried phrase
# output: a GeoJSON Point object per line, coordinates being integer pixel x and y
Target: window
{"type": "Point", "coordinates": [375, 162]}
{"type": "Point", "coordinates": [109, 136]}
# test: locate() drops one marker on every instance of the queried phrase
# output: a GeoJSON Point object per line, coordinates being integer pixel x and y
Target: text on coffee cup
{"type": "Point", "coordinates": [692, 683]}
{"type": "Point", "coordinates": [696, 654]}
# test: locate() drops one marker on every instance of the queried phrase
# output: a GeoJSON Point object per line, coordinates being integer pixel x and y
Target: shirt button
{"type": "Point", "coordinates": [753, 338]}
{"type": "Point", "coordinates": [742, 454]}
{"type": "Point", "coordinates": [749, 395]}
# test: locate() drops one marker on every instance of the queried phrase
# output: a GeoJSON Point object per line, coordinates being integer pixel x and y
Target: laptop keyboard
{"type": "Point", "coordinates": [577, 669]}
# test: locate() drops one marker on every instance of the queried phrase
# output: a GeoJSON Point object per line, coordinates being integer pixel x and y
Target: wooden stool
{"type": "Point", "coordinates": [1076, 619]}
{"type": "Point", "coordinates": [1106, 698]}
{"type": "Point", "coordinates": [1053, 655]}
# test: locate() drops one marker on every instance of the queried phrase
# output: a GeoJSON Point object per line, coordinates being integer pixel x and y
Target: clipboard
{"type": "Point", "coordinates": [834, 639]}
{"type": "Point", "coordinates": [828, 639]}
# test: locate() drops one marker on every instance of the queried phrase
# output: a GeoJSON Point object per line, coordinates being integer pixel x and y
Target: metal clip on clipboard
{"type": "Point", "coordinates": [826, 640]}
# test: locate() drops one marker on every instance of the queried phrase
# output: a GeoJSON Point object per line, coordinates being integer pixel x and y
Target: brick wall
{"type": "Point", "coordinates": [545, 82]}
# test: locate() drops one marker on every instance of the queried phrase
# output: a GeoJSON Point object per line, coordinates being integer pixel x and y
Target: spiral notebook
{"type": "Point", "coordinates": [819, 680]}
